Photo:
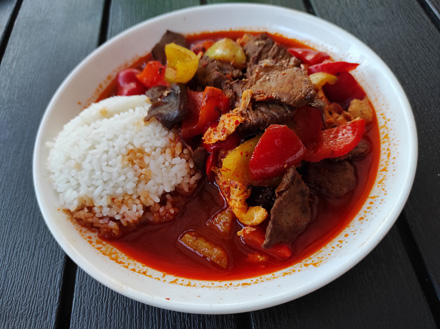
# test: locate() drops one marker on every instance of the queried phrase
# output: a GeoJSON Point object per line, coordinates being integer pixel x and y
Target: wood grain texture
{"type": "Point", "coordinates": [434, 5]}
{"type": "Point", "coordinates": [293, 4]}
{"type": "Point", "coordinates": [407, 40]}
{"type": "Point", "coordinates": [96, 306]}
{"type": "Point", "coordinates": [380, 292]}
{"type": "Point", "coordinates": [48, 39]}
{"type": "Point", "coordinates": [124, 14]}
{"type": "Point", "coordinates": [6, 9]}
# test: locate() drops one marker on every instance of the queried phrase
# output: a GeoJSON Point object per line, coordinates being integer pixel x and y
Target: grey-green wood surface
{"type": "Point", "coordinates": [48, 39]}
{"type": "Point", "coordinates": [393, 287]}
{"type": "Point", "coordinates": [6, 16]}
{"type": "Point", "coordinates": [380, 292]}
{"type": "Point", "coordinates": [409, 42]}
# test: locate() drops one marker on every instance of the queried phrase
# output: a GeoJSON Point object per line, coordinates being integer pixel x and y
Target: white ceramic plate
{"type": "Point", "coordinates": [385, 202]}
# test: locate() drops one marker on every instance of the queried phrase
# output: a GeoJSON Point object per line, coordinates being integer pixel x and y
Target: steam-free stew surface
{"type": "Point", "coordinates": [158, 246]}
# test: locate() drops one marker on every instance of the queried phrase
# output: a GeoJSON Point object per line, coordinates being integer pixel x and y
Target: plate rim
{"type": "Point", "coordinates": [263, 303]}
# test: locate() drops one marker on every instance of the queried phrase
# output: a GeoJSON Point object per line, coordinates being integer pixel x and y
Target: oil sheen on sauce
{"type": "Point", "coordinates": [157, 246]}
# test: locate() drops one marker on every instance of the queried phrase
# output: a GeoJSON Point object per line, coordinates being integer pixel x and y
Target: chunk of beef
{"type": "Point", "coordinates": [333, 179]}
{"type": "Point", "coordinates": [281, 81]}
{"type": "Point", "coordinates": [262, 115]}
{"type": "Point", "coordinates": [261, 47]}
{"type": "Point", "coordinates": [199, 156]}
{"type": "Point", "coordinates": [359, 151]}
{"type": "Point", "coordinates": [212, 72]}
{"type": "Point", "coordinates": [158, 51]}
{"type": "Point", "coordinates": [291, 211]}
{"type": "Point", "coordinates": [263, 196]}
{"type": "Point", "coordinates": [233, 89]}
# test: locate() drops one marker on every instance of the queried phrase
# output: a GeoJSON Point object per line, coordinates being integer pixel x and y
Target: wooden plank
{"type": "Point", "coordinates": [6, 16]}
{"type": "Point", "coordinates": [294, 4]}
{"type": "Point", "coordinates": [407, 40]}
{"type": "Point", "coordinates": [380, 292]}
{"type": "Point", "coordinates": [96, 306]}
{"type": "Point", "coordinates": [47, 40]}
{"type": "Point", "coordinates": [434, 5]}
{"type": "Point", "coordinates": [124, 14]}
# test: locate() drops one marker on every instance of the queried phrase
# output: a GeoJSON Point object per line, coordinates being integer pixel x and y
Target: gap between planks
{"type": "Point", "coordinates": [8, 30]}
{"type": "Point", "coordinates": [64, 311]}
{"type": "Point", "coordinates": [432, 11]}
{"type": "Point", "coordinates": [429, 290]}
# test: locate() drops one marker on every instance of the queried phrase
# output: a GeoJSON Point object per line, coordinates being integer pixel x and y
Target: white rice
{"type": "Point", "coordinates": [108, 160]}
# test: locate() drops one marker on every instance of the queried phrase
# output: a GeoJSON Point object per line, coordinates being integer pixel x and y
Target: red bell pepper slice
{"type": "Point", "coordinates": [336, 141]}
{"type": "Point", "coordinates": [153, 75]}
{"type": "Point", "coordinates": [307, 124]}
{"type": "Point", "coordinates": [332, 67]}
{"type": "Point", "coordinates": [344, 90]}
{"type": "Point", "coordinates": [278, 148]}
{"type": "Point", "coordinates": [127, 84]}
{"type": "Point", "coordinates": [204, 111]}
{"type": "Point", "coordinates": [195, 99]}
{"type": "Point", "coordinates": [254, 237]}
{"type": "Point", "coordinates": [309, 56]}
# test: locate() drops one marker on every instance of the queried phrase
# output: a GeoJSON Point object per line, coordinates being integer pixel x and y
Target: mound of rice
{"type": "Point", "coordinates": [113, 171]}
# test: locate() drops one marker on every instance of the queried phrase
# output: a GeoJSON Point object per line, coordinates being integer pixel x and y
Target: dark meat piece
{"type": "Point", "coordinates": [212, 72]}
{"type": "Point", "coordinates": [333, 179]}
{"type": "Point", "coordinates": [263, 196]}
{"type": "Point", "coordinates": [359, 151]}
{"type": "Point", "coordinates": [261, 47]}
{"type": "Point", "coordinates": [168, 105]}
{"type": "Point", "coordinates": [291, 211]}
{"type": "Point", "coordinates": [281, 81]}
{"type": "Point", "coordinates": [156, 92]}
{"type": "Point", "coordinates": [263, 115]}
{"type": "Point", "coordinates": [158, 51]}
{"type": "Point", "coordinates": [233, 89]}
{"type": "Point", "coordinates": [199, 156]}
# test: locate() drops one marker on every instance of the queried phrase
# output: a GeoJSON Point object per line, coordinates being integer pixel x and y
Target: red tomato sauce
{"type": "Point", "coordinates": [157, 246]}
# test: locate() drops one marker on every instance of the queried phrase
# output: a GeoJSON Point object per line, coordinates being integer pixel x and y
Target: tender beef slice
{"type": "Point", "coordinates": [199, 156]}
{"type": "Point", "coordinates": [262, 115]}
{"type": "Point", "coordinates": [281, 81]}
{"type": "Point", "coordinates": [158, 51]}
{"type": "Point", "coordinates": [360, 150]}
{"type": "Point", "coordinates": [263, 196]}
{"type": "Point", "coordinates": [212, 72]}
{"type": "Point", "coordinates": [333, 179]}
{"type": "Point", "coordinates": [261, 47]}
{"type": "Point", "coordinates": [291, 211]}
{"type": "Point", "coordinates": [233, 89]}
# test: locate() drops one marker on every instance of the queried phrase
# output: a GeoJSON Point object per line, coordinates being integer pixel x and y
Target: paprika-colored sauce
{"type": "Point", "coordinates": [158, 247]}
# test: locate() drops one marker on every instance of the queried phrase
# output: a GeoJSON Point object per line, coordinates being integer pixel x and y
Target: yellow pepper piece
{"type": "Point", "coordinates": [236, 164]}
{"type": "Point", "coordinates": [321, 78]}
{"type": "Point", "coordinates": [182, 64]}
{"type": "Point", "coordinates": [227, 50]}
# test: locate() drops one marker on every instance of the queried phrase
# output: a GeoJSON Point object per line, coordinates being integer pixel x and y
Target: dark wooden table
{"type": "Point", "coordinates": [396, 286]}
